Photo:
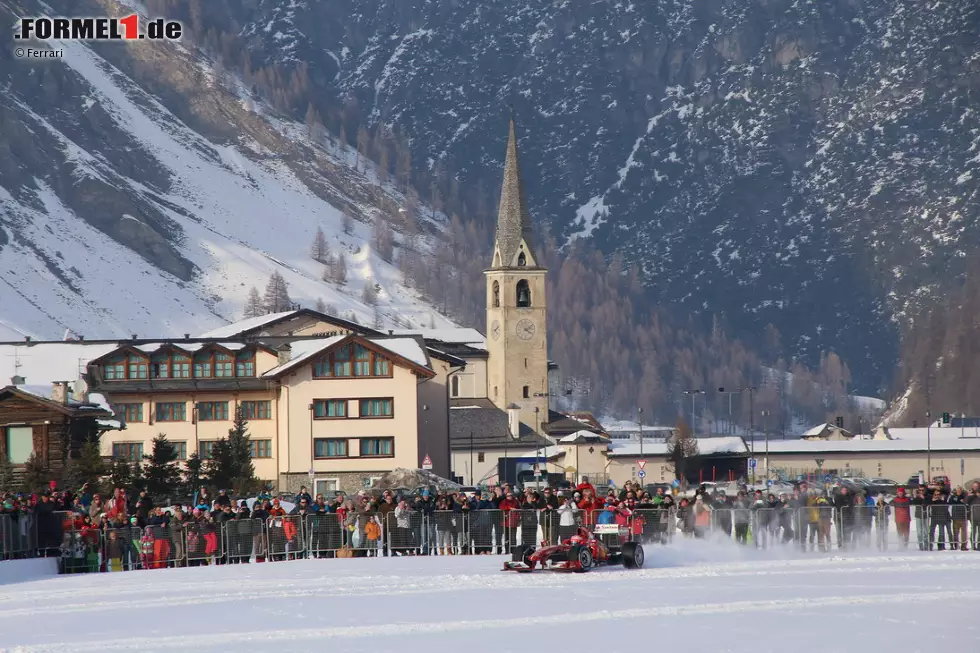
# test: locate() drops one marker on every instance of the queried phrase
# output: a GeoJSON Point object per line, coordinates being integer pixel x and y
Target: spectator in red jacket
{"type": "Point", "coordinates": [901, 504]}
{"type": "Point", "coordinates": [585, 485]}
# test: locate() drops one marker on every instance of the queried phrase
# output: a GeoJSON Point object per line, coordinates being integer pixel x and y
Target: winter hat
{"type": "Point", "coordinates": [425, 493]}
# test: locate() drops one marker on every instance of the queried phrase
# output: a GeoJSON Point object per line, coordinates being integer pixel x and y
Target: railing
{"type": "Point", "coordinates": [84, 549]}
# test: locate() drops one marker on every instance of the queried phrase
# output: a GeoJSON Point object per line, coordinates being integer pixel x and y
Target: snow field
{"type": "Point", "coordinates": [692, 596]}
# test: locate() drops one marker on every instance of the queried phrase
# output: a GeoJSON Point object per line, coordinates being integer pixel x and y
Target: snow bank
{"type": "Point", "coordinates": [22, 571]}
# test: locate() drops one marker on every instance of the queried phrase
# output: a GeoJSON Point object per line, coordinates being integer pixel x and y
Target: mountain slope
{"type": "Point", "coordinates": [807, 164]}
{"type": "Point", "coordinates": [117, 216]}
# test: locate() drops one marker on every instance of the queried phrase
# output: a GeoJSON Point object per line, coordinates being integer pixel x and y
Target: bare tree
{"type": "Point", "coordinates": [320, 306]}
{"type": "Point", "coordinates": [682, 451]}
{"type": "Point", "coordinates": [384, 238]}
{"type": "Point", "coordinates": [253, 304]}
{"type": "Point", "coordinates": [320, 250]}
{"type": "Point", "coordinates": [369, 295]}
{"type": "Point", "coordinates": [347, 223]}
{"type": "Point", "coordinates": [276, 299]}
{"type": "Point", "coordinates": [335, 269]}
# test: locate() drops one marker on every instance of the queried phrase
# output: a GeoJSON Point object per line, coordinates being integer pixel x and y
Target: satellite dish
{"type": "Point", "coordinates": [80, 388]}
{"type": "Point", "coordinates": [263, 334]}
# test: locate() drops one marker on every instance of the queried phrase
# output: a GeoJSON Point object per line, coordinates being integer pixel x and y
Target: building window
{"type": "Point", "coordinates": [527, 392]}
{"type": "Point", "coordinates": [171, 412]}
{"type": "Point", "coordinates": [20, 444]}
{"type": "Point", "coordinates": [224, 365]}
{"type": "Point", "coordinates": [377, 407]}
{"type": "Point", "coordinates": [181, 368]}
{"type": "Point", "coordinates": [496, 294]}
{"type": "Point", "coordinates": [329, 408]}
{"type": "Point", "coordinates": [377, 447]}
{"type": "Point", "coordinates": [455, 386]}
{"type": "Point", "coordinates": [351, 360]}
{"type": "Point", "coordinates": [130, 413]}
{"type": "Point", "coordinates": [131, 451]}
{"type": "Point", "coordinates": [523, 294]}
{"type": "Point", "coordinates": [245, 365]}
{"type": "Point", "coordinates": [521, 260]}
{"type": "Point", "coordinates": [181, 449]}
{"type": "Point", "coordinates": [326, 486]}
{"type": "Point", "coordinates": [260, 448]}
{"type": "Point", "coordinates": [329, 448]}
{"type": "Point", "coordinates": [114, 370]}
{"type": "Point", "coordinates": [159, 368]}
{"type": "Point", "coordinates": [481, 456]}
{"type": "Point", "coordinates": [137, 367]}
{"type": "Point", "coordinates": [205, 448]}
{"type": "Point", "coordinates": [202, 365]}
{"type": "Point", "coordinates": [212, 411]}
{"type": "Point", "coordinates": [256, 410]}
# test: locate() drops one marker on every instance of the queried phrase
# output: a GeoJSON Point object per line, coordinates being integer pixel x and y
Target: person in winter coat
{"type": "Point", "coordinates": [958, 513]}
{"type": "Point", "coordinates": [685, 518]}
{"type": "Point", "coordinates": [741, 515]}
{"type": "Point", "coordinates": [920, 512]}
{"type": "Point", "coordinates": [702, 516]}
{"type": "Point", "coordinates": [901, 505]}
{"type": "Point", "coordinates": [844, 514]}
{"type": "Point", "coordinates": [973, 505]}
{"type": "Point", "coordinates": [939, 519]}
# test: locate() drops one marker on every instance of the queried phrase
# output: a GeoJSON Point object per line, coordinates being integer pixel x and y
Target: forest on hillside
{"type": "Point", "coordinates": [617, 353]}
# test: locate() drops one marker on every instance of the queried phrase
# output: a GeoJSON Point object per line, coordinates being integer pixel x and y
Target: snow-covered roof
{"type": "Point", "coordinates": [870, 446]}
{"type": "Point", "coordinates": [816, 430]}
{"type": "Point", "coordinates": [235, 328]}
{"type": "Point", "coordinates": [582, 436]}
{"type": "Point", "coordinates": [304, 350]}
{"type": "Point", "coordinates": [934, 433]}
{"type": "Point", "coordinates": [45, 363]}
{"type": "Point", "coordinates": [460, 335]}
{"type": "Point", "coordinates": [190, 346]}
{"type": "Point", "coordinates": [706, 447]}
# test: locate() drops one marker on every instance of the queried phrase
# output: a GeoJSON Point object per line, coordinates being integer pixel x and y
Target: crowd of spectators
{"type": "Point", "coordinates": [92, 532]}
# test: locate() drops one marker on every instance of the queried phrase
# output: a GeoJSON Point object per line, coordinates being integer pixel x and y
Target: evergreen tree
{"type": "Point", "coordinates": [121, 473]}
{"type": "Point", "coordinates": [347, 223]}
{"type": "Point", "coordinates": [162, 471]}
{"type": "Point", "coordinates": [37, 476]}
{"type": "Point", "coordinates": [193, 474]}
{"type": "Point", "coordinates": [321, 306]}
{"type": "Point", "coordinates": [378, 322]}
{"type": "Point", "coordinates": [6, 475]}
{"type": "Point", "coordinates": [369, 294]}
{"type": "Point", "coordinates": [320, 251]}
{"type": "Point", "coordinates": [231, 465]}
{"type": "Point", "coordinates": [682, 451]}
{"type": "Point", "coordinates": [340, 269]}
{"type": "Point", "coordinates": [91, 467]}
{"type": "Point", "coordinates": [253, 305]}
{"type": "Point", "coordinates": [383, 239]}
{"type": "Point", "coordinates": [276, 299]}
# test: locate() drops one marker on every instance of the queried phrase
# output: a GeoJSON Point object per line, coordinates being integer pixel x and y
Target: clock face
{"type": "Point", "coordinates": [525, 329]}
{"type": "Point", "coordinates": [495, 329]}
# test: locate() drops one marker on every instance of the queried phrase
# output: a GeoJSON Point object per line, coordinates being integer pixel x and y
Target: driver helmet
{"type": "Point", "coordinates": [581, 536]}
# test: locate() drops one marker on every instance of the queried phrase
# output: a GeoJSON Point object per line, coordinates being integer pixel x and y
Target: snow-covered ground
{"type": "Point", "coordinates": [692, 596]}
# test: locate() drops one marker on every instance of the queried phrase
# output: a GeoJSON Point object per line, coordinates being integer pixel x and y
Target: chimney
{"type": "Point", "coordinates": [134, 336]}
{"type": "Point", "coordinates": [27, 338]}
{"type": "Point", "coordinates": [60, 392]}
{"type": "Point", "coordinates": [514, 420]}
{"type": "Point", "coordinates": [81, 338]}
{"type": "Point", "coordinates": [285, 354]}
{"type": "Point", "coordinates": [391, 332]}
{"type": "Point", "coordinates": [17, 379]}
{"type": "Point", "coordinates": [187, 336]}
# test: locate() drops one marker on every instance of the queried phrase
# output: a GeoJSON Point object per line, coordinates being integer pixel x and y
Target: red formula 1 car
{"type": "Point", "coordinates": [580, 553]}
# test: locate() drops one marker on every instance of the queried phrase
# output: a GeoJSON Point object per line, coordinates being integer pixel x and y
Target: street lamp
{"type": "Point", "coordinates": [765, 419]}
{"type": "Point", "coordinates": [928, 446]}
{"type": "Point", "coordinates": [537, 451]}
{"type": "Point", "coordinates": [639, 419]}
{"type": "Point", "coordinates": [694, 415]}
{"type": "Point", "coordinates": [738, 391]}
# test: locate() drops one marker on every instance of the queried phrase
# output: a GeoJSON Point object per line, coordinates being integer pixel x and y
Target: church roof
{"type": "Point", "coordinates": [513, 222]}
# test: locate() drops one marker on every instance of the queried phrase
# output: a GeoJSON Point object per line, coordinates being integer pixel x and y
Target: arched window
{"type": "Point", "coordinates": [527, 392]}
{"type": "Point", "coordinates": [521, 260]}
{"type": "Point", "coordinates": [523, 294]}
{"type": "Point", "coordinates": [455, 387]}
{"type": "Point", "coordinates": [496, 294]}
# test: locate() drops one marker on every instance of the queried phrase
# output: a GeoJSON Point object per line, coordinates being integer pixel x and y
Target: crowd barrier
{"type": "Point", "coordinates": [812, 528]}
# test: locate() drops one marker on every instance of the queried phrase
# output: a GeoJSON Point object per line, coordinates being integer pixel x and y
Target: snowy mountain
{"type": "Point", "coordinates": [813, 165]}
{"type": "Point", "coordinates": [141, 192]}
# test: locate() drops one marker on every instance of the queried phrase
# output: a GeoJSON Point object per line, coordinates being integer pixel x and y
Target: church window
{"type": "Point", "coordinates": [523, 294]}
{"type": "Point", "coordinates": [521, 260]}
{"type": "Point", "coordinates": [455, 386]}
{"type": "Point", "coordinates": [496, 294]}
{"type": "Point", "coordinates": [527, 392]}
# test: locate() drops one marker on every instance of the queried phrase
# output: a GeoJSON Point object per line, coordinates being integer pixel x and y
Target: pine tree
{"type": "Point", "coordinates": [347, 223]}
{"type": "Point", "coordinates": [321, 306]}
{"type": "Point", "coordinates": [332, 310]}
{"type": "Point", "coordinates": [383, 238]}
{"type": "Point", "coordinates": [369, 294]}
{"type": "Point", "coordinates": [91, 467]}
{"type": "Point", "coordinates": [682, 451]}
{"type": "Point", "coordinates": [231, 465]}
{"type": "Point", "coordinates": [162, 471]}
{"type": "Point", "coordinates": [320, 250]}
{"type": "Point", "coordinates": [253, 305]}
{"type": "Point", "coordinates": [121, 473]}
{"type": "Point", "coordinates": [340, 269]}
{"type": "Point", "coordinates": [276, 299]}
{"type": "Point", "coordinates": [6, 475]}
{"type": "Point", "coordinates": [37, 476]}
{"type": "Point", "coordinates": [193, 474]}
{"type": "Point", "coordinates": [378, 322]}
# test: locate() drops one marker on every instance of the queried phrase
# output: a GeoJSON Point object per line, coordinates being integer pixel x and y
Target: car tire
{"type": "Point", "coordinates": [521, 553]}
{"type": "Point", "coordinates": [584, 558]}
{"type": "Point", "coordinates": [633, 555]}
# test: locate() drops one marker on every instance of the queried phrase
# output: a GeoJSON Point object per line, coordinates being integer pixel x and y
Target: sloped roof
{"type": "Point", "coordinates": [817, 447]}
{"type": "Point", "coordinates": [247, 327]}
{"type": "Point", "coordinates": [583, 436]}
{"type": "Point", "coordinates": [706, 447]}
{"type": "Point", "coordinates": [513, 220]}
{"type": "Point", "coordinates": [489, 427]}
{"type": "Point", "coordinates": [73, 409]}
{"type": "Point", "coordinates": [408, 350]}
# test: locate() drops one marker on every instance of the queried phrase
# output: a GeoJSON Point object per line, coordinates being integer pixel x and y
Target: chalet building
{"type": "Point", "coordinates": [52, 427]}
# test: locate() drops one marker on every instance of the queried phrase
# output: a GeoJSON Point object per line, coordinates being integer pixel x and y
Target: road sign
{"type": "Point", "coordinates": [769, 483]}
{"type": "Point", "coordinates": [641, 473]}
{"type": "Point", "coordinates": [312, 473]}
{"type": "Point", "coordinates": [537, 469]}
{"type": "Point", "coordinates": [753, 462]}
{"type": "Point", "coordinates": [828, 478]}
{"type": "Point", "coordinates": [675, 483]}
{"type": "Point", "coordinates": [641, 463]}
{"type": "Point", "coordinates": [427, 462]}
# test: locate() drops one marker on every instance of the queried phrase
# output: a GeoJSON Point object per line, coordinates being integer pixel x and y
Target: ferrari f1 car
{"type": "Point", "coordinates": [579, 553]}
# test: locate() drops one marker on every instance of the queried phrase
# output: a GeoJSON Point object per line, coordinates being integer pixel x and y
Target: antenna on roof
{"type": "Point", "coordinates": [67, 336]}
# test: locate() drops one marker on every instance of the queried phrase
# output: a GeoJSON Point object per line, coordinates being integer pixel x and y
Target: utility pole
{"type": "Point", "coordinates": [928, 446]}
{"type": "Point", "coordinates": [639, 419]}
{"type": "Point", "coordinates": [472, 473]}
{"type": "Point", "coordinates": [737, 391]}
{"type": "Point", "coordinates": [765, 419]}
{"type": "Point", "coordinates": [694, 414]}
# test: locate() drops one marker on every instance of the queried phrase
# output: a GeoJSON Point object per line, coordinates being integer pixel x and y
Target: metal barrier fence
{"type": "Point", "coordinates": [85, 549]}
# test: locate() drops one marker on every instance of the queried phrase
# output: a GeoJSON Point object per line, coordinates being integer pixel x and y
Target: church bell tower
{"type": "Point", "coordinates": [517, 306]}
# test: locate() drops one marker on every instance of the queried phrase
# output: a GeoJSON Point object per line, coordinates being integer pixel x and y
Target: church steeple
{"type": "Point", "coordinates": [513, 222]}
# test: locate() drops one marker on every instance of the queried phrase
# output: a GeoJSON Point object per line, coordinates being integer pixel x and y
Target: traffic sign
{"type": "Point", "coordinates": [675, 483]}
{"type": "Point", "coordinates": [641, 473]}
{"type": "Point", "coordinates": [641, 463]}
{"type": "Point", "coordinates": [537, 469]}
{"type": "Point", "coordinates": [769, 483]}
{"type": "Point", "coordinates": [828, 478]}
{"type": "Point", "coordinates": [427, 462]}
{"type": "Point", "coordinates": [312, 473]}
{"type": "Point", "coordinates": [753, 462]}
